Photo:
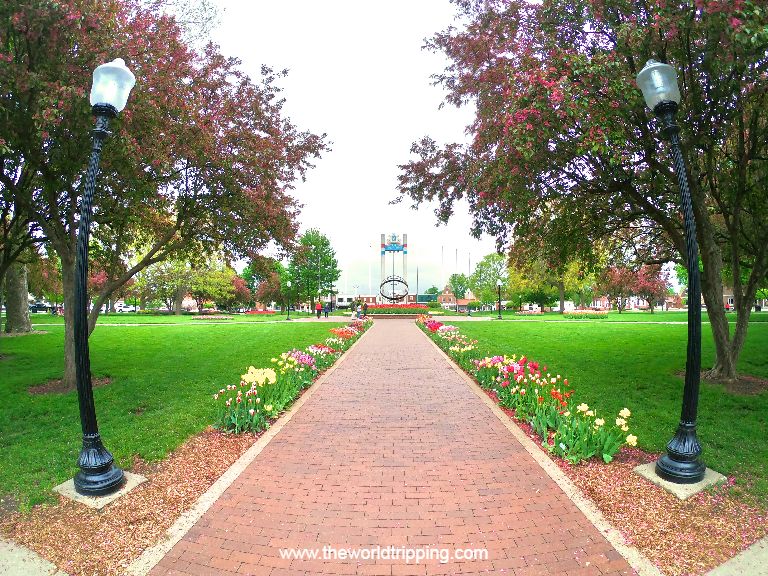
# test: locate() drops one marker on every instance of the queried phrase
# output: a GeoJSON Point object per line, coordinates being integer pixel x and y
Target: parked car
{"type": "Point", "coordinates": [121, 307]}
{"type": "Point", "coordinates": [38, 307]}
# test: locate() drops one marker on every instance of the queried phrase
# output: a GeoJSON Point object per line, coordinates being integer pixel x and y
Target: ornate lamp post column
{"type": "Point", "coordinates": [112, 83]}
{"type": "Point", "coordinates": [681, 464]}
{"type": "Point", "coordinates": [498, 286]}
{"type": "Point", "coordinates": [288, 283]}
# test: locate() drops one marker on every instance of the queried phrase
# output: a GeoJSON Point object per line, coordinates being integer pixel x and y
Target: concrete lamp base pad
{"type": "Point", "coordinates": [682, 491]}
{"type": "Point", "coordinates": [67, 489]}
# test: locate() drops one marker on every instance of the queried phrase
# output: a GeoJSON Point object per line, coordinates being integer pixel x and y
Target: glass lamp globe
{"type": "Point", "coordinates": [112, 83]}
{"type": "Point", "coordinates": [498, 283]}
{"type": "Point", "coordinates": [658, 81]}
{"type": "Point", "coordinates": [288, 283]}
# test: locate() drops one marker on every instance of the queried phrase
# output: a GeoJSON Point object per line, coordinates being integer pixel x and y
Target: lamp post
{"type": "Point", "coordinates": [288, 283]}
{"type": "Point", "coordinates": [98, 476]}
{"type": "Point", "coordinates": [681, 463]}
{"type": "Point", "coordinates": [498, 287]}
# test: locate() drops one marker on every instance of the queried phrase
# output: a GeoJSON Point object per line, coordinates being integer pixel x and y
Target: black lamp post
{"type": "Point", "coordinates": [289, 299]}
{"type": "Point", "coordinates": [98, 476]}
{"type": "Point", "coordinates": [498, 287]}
{"type": "Point", "coordinates": [681, 463]}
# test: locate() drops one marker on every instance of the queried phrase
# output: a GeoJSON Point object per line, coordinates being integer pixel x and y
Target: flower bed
{"type": "Point", "coordinates": [260, 312]}
{"type": "Point", "coordinates": [585, 314]}
{"type": "Point", "coordinates": [265, 392]}
{"type": "Point", "coordinates": [537, 397]}
{"type": "Point", "coordinates": [529, 313]}
{"type": "Point", "coordinates": [397, 308]}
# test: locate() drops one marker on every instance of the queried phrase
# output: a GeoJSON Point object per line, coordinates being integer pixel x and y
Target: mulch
{"type": "Point", "coordinates": [681, 537]}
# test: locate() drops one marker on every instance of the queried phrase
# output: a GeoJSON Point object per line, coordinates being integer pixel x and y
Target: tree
{"type": "Point", "coordinates": [651, 284]}
{"type": "Point", "coordinates": [201, 160]}
{"type": "Point", "coordinates": [483, 281]}
{"type": "Point", "coordinates": [459, 284]}
{"type": "Point", "coordinates": [168, 282]}
{"type": "Point", "coordinates": [432, 290]}
{"type": "Point", "coordinates": [618, 284]}
{"type": "Point", "coordinates": [240, 295]}
{"type": "Point", "coordinates": [561, 129]}
{"type": "Point", "coordinates": [211, 283]}
{"type": "Point", "coordinates": [44, 275]}
{"type": "Point", "coordinates": [313, 269]}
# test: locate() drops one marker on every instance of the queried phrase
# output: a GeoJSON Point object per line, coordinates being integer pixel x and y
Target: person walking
{"type": "Point", "coordinates": [326, 309]}
{"type": "Point", "coordinates": [365, 308]}
{"type": "Point", "coordinates": [318, 309]}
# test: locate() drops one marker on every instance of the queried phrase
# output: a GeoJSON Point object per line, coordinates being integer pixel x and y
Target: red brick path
{"type": "Point", "coordinates": [395, 450]}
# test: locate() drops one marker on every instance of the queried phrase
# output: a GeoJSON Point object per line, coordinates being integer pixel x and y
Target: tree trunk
{"type": "Point", "coordinates": [179, 300]}
{"type": "Point", "coordinates": [17, 305]}
{"type": "Point", "coordinates": [2, 293]}
{"type": "Point", "coordinates": [561, 289]}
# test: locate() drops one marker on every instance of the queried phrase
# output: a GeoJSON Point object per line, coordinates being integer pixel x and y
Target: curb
{"type": "Point", "coordinates": [151, 556]}
{"type": "Point", "coordinates": [632, 555]}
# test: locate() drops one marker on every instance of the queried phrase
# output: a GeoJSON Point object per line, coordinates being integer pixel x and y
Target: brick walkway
{"type": "Point", "coordinates": [394, 449]}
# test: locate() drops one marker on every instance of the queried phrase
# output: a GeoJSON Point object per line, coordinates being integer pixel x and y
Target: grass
{"type": "Point", "coordinates": [162, 379]}
{"type": "Point", "coordinates": [613, 316]}
{"type": "Point", "coordinates": [635, 365]}
{"type": "Point", "coordinates": [43, 319]}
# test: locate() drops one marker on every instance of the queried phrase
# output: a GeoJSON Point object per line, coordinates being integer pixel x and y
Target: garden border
{"type": "Point", "coordinates": [151, 556]}
{"type": "Point", "coordinates": [632, 555]}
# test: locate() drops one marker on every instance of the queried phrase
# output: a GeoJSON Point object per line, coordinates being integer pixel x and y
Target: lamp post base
{"type": "Point", "coordinates": [681, 463]}
{"type": "Point", "coordinates": [98, 475]}
{"type": "Point", "coordinates": [680, 472]}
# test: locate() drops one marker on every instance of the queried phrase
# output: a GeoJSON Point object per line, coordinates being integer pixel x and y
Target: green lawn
{"type": "Point", "coordinates": [616, 365]}
{"type": "Point", "coordinates": [160, 395]}
{"type": "Point", "coordinates": [43, 319]}
{"type": "Point", "coordinates": [613, 316]}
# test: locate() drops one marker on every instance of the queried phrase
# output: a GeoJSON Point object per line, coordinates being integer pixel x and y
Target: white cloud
{"type": "Point", "coordinates": [358, 73]}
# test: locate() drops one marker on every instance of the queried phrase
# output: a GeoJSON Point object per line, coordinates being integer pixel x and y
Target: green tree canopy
{"type": "Point", "coordinates": [563, 148]}
{"type": "Point", "coordinates": [313, 269]}
{"type": "Point", "coordinates": [483, 281]}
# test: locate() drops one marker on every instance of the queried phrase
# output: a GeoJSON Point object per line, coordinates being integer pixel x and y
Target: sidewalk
{"type": "Point", "coordinates": [393, 449]}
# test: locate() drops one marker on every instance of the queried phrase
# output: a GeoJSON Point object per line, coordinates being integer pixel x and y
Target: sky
{"type": "Point", "coordinates": [357, 71]}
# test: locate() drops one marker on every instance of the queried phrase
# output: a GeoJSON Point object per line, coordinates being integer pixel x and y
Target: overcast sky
{"type": "Point", "coordinates": [359, 74]}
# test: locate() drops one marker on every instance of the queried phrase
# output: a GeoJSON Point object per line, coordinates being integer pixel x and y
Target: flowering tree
{"type": "Point", "coordinates": [618, 284]}
{"type": "Point", "coordinates": [651, 284]}
{"type": "Point", "coordinates": [202, 159]}
{"type": "Point", "coordinates": [44, 277]}
{"type": "Point", "coordinates": [561, 130]}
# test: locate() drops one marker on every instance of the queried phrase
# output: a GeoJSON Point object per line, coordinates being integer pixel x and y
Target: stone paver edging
{"type": "Point", "coordinates": [151, 556]}
{"type": "Point", "coordinates": [632, 555]}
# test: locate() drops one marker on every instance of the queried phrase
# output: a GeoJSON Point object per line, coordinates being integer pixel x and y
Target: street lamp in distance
{"type": "Point", "coordinates": [498, 287]}
{"type": "Point", "coordinates": [98, 475]}
{"type": "Point", "coordinates": [681, 464]}
{"type": "Point", "coordinates": [288, 283]}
